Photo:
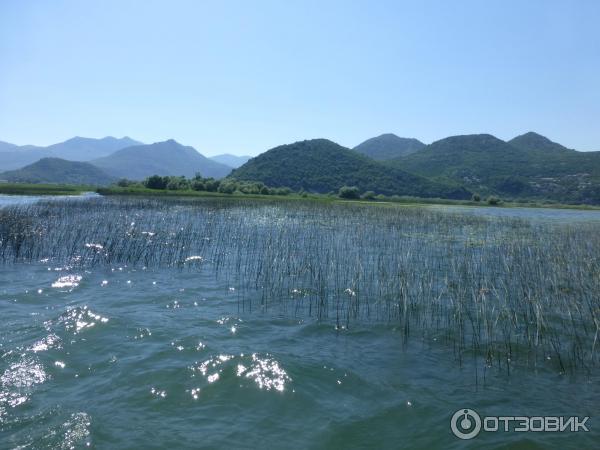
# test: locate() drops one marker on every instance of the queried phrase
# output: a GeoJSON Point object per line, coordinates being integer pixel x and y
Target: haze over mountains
{"type": "Point", "coordinates": [114, 158]}
{"type": "Point", "coordinates": [75, 149]}
{"type": "Point", "coordinates": [161, 158]}
{"type": "Point", "coordinates": [56, 170]}
{"type": "Point", "coordinates": [529, 166]}
{"type": "Point", "coordinates": [231, 160]}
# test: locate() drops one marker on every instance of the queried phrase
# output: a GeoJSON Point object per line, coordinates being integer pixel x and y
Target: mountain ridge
{"type": "Point", "coordinates": [160, 158]}
{"type": "Point", "coordinates": [320, 165]}
{"type": "Point", "coordinates": [388, 146]}
{"type": "Point", "coordinates": [59, 171]}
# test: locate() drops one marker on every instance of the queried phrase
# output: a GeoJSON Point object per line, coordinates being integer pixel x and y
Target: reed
{"type": "Point", "coordinates": [498, 289]}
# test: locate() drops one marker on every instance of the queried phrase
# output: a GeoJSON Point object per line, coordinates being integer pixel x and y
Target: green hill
{"type": "Point", "coordinates": [161, 158]}
{"type": "Point", "coordinates": [537, 143]}
{"type": "Point", "coordinates": [320, 165]}
{"type": "Point", "coordinates": [388, 146]}
{"type": "Point", "coordinates": [56, 170]}
{"type": "Point", "coordinates": [529, 166]}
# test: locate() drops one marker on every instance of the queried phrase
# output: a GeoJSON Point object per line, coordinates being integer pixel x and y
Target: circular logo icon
{"type": "Point", "coordinates": [465, 424]}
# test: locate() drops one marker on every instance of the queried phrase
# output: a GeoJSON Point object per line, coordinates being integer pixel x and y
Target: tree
{"type": "Point", "coordinates": [124, 182]}
{"type": "Point", "coordinates": [349, 192]}
{"type": "Point", "coordinates": [476, 198]}
{"type": "Point", "coordinates": [493, 201]}
{"type": "Point", "coordinates": [177, 184]}
{"type": "Point", "coordinates": [156, 182]}
{"type": "Point", "coordinates": [369, 195]}
{"type": "Point", "coordinates": [228, 187]}
{"type": "Point", "coordinates": [197, 184]}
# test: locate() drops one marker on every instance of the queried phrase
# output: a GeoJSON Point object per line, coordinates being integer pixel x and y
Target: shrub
{"type": "Point", "coordinates": [198, 185]}
{"type": "Point", "coordinates": [493, 201]}
{"type": "Point", "coordinates": [349, 192]}
{"type": "Point", "coordinates": [156, 182]}
{"type": "Point", "coordinates": [177, 184]}
{"type": "Point", "coordinates": [211, 185]}
{"type": "Point", "coordinates": [227, 187]}
{"type": "Point", "coordinates": [124, 182]}
{"type": "Point", "coordinates": [369, 195]}
{"type": "Point", "coordinates": [282, 191]}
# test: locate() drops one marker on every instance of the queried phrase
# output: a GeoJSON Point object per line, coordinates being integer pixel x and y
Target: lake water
{"type": "Point", "coordinates": [115, 355]}
{"type": "Point", "coordinates": [13, 200]}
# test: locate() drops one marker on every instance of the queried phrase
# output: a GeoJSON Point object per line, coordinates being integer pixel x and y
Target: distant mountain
{"type": "Point", "coordinates": [75, 149]}
{"type": "Point", "coordinates": [529, 166]}
{"type": "Point", "coordinates": [231, 160]}
{"type": "Point", "coordinates": [388, 146]}
{"type": "Point", "coordinates": [161, 158]}
{"type": "Point", "coordinates": [8, 147]}
{"type": "Point", "coordinates": [21, 156]}
{"type": "Point", "coordinates": [86, 149]}
{"type": "Point", "coordinates": [320, 165]}
{"type": "Point", "coordinates": [56, 170]}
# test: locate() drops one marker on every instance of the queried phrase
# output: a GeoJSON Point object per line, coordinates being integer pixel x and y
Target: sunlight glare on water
{"type": "Point", "coordinates": [185, 348]}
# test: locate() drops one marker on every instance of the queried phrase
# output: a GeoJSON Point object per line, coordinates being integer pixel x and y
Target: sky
{"type": "Point", "coordinates": [244, 76]}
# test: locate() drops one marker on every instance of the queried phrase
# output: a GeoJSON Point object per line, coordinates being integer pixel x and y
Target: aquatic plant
{"type": "Point", "coordinates": [499, 289]}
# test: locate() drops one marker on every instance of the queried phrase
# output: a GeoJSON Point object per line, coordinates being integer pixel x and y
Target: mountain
{"type": "Point", "coordinates": [76, 149]}
{"type": "Point", "coordinates": [161, 158]}
{"type": "Point", "coordinates": [20, 156]}
{"type": "Point", "coordinates": [388, 146]}
{"type": "Point", "coordinates": [8, 147]}
{"type": "Point", "coordinates": [231, 160]}
{"type": "Point", "coordinates": [536, 142]}
{"type": "Point", "coordinates": [86, 149]}
{"type": "Point", "coordinates": [529, 166]}
{"type": "Point", "coordinates": [320, 165]}
{"type": "Point", "coordinates": [56, 170]}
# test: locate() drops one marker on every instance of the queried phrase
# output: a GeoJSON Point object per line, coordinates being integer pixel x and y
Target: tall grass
{"type": "Point", "coordinates": [497, 289]}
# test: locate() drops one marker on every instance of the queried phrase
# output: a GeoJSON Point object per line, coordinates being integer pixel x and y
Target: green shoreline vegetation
{"type": "Point", "coordinates": [169, 186]}
{"type": "Point", "coordinates": [43, 189]}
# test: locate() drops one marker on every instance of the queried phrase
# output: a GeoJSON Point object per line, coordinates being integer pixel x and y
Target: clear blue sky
{"type": "Point", "coordinates": [245, 76]}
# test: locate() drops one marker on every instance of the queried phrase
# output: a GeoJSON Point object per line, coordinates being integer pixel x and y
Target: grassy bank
{"type": "Point", "coordinates": [145, 192]}
{"type": "Point", "coordinates": [43, 189]}
{"type": "Point", "coordinates": [67, 189]}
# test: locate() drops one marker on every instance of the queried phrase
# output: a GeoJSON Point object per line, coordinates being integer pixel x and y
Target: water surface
{"type": "Point", "coordinates": [119, 356]}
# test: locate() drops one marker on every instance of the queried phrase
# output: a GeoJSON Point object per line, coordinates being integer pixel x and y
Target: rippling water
{"type": "Point", "coordinates": [123, 357]}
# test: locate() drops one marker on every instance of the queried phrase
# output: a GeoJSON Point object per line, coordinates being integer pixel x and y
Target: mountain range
{"type": "Point", "coordinates": [529, 166]}
{"type": "Point", "coordinates": [75, 149]}
{"type": "Point", "coordinates": [56, 170]}
{"type": "Point", "coordinates": [161, 158]}
{"type": "Point", "coordinates": [320, 165]}
{"type": "Point", "coordinates": [112, 157]}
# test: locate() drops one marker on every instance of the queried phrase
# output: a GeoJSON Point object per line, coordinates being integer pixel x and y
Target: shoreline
{"type": "Point", "coordinates": [67, 189]}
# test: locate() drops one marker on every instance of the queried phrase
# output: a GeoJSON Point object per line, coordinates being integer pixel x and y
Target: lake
{"type": "Point", "coordinates": [133, 323]}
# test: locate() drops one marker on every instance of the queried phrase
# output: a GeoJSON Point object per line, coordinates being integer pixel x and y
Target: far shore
{"type": "Point", "coordinates": [68, 189]}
